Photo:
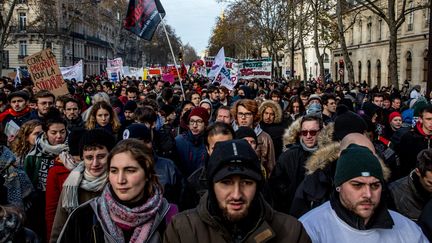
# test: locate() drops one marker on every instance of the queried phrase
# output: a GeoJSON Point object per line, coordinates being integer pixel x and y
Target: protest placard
{"type": "Point", "coordinates": [45, 72]}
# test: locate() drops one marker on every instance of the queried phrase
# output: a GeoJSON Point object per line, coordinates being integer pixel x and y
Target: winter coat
{"type": "Point", "coordinates": [61, 214]}
{"type": "Point", "coordinates": [56, 177]}
{"type": "Point", "coordinates": [411, 144]}
{"type": "Point", "coordinates": [316, 187]}
{"type": "Point", "coordinates": [84, 225]}
{"type": "Point", "coordinates": [18, 117]}
{"type": "Point", "coordinates": [191, 152]}
{"type": "Point", "coordinates": [198, 225]}
{"type": "Point", "coordinates": [170, 178]}
{"type": "Point", "coordinates": [289, 171]}
{"type": "Point", "coordinates": [409, 196]}
{"type": "Point", "coordinates": [71, 124]}
{"type": "Point", "coordinates": [265, 150]}
{"type": "Point", "coordinates": [276, 129]}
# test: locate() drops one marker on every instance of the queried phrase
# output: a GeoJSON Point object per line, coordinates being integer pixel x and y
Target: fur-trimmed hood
{"type": "Point", "coordinates": [291, 135]}
{"type": "Point", "coordinates": [329, 154]}
{"type": "Point", "coordinates": [276, 108]}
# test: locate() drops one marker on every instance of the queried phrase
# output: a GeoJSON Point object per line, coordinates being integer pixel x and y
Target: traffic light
{"type": "Point", "coordinates": [180, 56]}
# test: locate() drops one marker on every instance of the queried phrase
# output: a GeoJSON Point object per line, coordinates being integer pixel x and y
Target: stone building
{"type": "Point", "coordinates": [73, 29]}
{"type": "Point", "coordinates": [368, 46]}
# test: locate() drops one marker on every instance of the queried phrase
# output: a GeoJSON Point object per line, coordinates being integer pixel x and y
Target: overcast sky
{"type": "Point", "coordinates": [193, 20]}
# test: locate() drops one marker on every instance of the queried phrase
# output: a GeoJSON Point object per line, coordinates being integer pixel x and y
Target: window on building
{"type": "Point", "coordinates": [352, 36]}
{"type": "Point", "coordinates": [22, 21]}
{"type": "Point", "coordinates": [411, 17]}
{"type": "Point", "coordinates": [426, 14]}
{"type": "Point", "coordinates": [326, 58]}
{"type": "Point", "coordinates": [48, 44]}
{"type": "Point", "coordinates": [408, 66]}
{"type": "Point", "coordinates": [360, 31]}
{"type": "Point", "coordinates": [359, 71]}
{"type": "Point", "coordinates": [22, 1]}
{"type": "Point", "coordinates": [23, 48]}
{"type": "Point", "coordinates": [5, 59]}
{"type": "Point", "coordinates": [425, 65]}
{"type": "Point", "coordinates": [336, 70]}
{"type": "Point", "coordinates": [378, 69]}
{"type": "Point", "coordinates": [380, 29]}
{"type": "Point", "coordinates": [369, 29]}
{"type": "Point", "coordinates": [369, 73]}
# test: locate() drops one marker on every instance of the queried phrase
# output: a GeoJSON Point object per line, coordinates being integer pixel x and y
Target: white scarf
{"type": "Point", "coordinates": [80, 178]}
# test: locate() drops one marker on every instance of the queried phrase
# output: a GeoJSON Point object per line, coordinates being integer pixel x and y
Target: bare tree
{"type": "Point", "coordinates": [5, 21]}
{"type": "Point", "coordinates": [394, 16]}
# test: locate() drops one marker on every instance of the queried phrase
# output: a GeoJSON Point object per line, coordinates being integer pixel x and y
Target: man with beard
{"type": "Point", "coordinates": [72, 114]}
{"type": "Point", "coordinates": [355, 212]}
{"type": "Point", "coordinates": [233, 209]}
{"type": "Point", "coordinates": [19, 112]}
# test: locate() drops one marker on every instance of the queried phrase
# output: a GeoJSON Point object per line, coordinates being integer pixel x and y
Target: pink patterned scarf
{"type": "Point", "coordinates": [116, 216]}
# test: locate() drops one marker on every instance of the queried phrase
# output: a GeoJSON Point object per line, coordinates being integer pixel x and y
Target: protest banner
{"type": "Point", "coordinates": [154, 71]}
{"type": "Point", "coordinates": [143, 17]}
{"type": "Point", "coordinates": [114, 73]}
{"type": "Point", "coordinates": [116, 62]}
{"type": "Point", "coordinates": [45, 72]}
{"type": "Point", "coordinates": [73, 72]}
{"type": "Point", "coordinates": [249, 69]}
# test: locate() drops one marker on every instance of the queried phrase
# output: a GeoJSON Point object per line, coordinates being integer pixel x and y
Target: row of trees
{"type": "Point", "coordinates": [59, 20]}
{"type": "Point", "coordinates": [285, 26]}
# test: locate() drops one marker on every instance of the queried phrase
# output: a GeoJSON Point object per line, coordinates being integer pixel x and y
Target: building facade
{"type": "Point", "coordinates": [74, 30]}
{"type": "Point", "coordinates": [368, 47]}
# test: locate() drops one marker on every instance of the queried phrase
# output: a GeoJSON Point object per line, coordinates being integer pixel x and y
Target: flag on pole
{"type": "Point", "coordinates": [143, 17]}
{"type": "Point", "coordinates": [17, 79]}
{"type": "Point", "coordinates": [218, 64]}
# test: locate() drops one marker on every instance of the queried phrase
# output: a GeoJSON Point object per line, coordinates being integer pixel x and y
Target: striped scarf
{"type": "Point", "coordinates": [115, 216]}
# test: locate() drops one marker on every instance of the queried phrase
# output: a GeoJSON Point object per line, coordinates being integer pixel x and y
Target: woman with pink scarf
{"type": "Point", "coordinates": [131, 207]}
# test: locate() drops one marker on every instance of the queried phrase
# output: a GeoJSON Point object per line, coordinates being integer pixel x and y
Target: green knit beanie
{"type": "Point", "coordinates": [356, 161]}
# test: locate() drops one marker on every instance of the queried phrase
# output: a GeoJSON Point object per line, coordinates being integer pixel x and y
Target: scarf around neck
{"type": "Point", "coordinates": [117, 217]}
{"type": "Point", "coordinates": [43, 147]}
{"type": "Point", "coordinates": [306, 148]}
{"type": "Point", "coordinates": [79, 178]}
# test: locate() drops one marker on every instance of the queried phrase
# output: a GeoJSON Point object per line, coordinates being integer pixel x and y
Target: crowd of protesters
{"type": "Point", "coordinates": [269, 161]}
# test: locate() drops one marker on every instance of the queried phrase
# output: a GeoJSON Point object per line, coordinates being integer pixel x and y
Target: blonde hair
{"type": "Point", "coordinates": [20, 146]}
{"type": "Point", "coordinates": [114, 121]}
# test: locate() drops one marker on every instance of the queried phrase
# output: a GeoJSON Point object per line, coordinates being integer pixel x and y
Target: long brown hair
{"type": "Point", "coordinates": [20, 146]}
{"type": "Point", "coordinates": [144, 156]}
{"type": "Point", "coordinates": [114, 121]}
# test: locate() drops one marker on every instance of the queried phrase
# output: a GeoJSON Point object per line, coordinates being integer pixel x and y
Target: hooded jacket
{"type": "Point", "coordinates": [289, 171]}
{"type": "Point", "coordinates": [316, 187]}
{"type": "Point", "coordinates": [199, 225]}
{"type": "Point", "coordinates": [275, 129]}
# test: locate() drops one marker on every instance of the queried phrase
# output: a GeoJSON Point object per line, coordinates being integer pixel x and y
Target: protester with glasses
{"type": "Point", "coordinates": [190, 146]}
{"type": "Point", "coordinates": [289, 170]}
{"type": "Point", "coordinates": [44, 101]}
{"type": "Point", "coordinates": [245, 114]}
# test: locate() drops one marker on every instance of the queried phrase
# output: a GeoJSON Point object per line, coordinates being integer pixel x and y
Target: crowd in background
{"type": "Point", "coordinates": [71, 152]}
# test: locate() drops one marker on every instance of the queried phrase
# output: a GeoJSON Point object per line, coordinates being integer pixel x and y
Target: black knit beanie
{"type": "Point", "coordinates": [347, 122]}
{"type": "Point", "coordinates": [356, 161]}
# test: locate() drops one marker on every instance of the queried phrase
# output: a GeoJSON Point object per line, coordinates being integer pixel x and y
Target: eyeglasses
{"type": "Point", "coordinates": [242, 115]}
{"type": "Point", "coordinates": [197, 122]}
{"type": "Point", "coordinates": [311, 132]}
{"type": "Point", "coordinates": [45, 103]}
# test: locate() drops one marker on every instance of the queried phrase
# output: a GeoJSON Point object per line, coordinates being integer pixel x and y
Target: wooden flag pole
{"type": "Point", "coordinates": [172, 53]}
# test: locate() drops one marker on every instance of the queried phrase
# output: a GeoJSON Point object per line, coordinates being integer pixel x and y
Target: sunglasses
{"type": "Point", "coordinates": [311, 132]}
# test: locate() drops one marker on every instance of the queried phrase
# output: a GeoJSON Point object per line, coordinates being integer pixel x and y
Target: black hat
{"type": "Point", "coordinates": [244, 132]}
{"type": "Point", "coordinates": [130, 106]}
{"type": "Point", "coordinates": [20, 93]}
{"type": "Point", "coordinates": [96, 137]}
{"type": "Point", "coordinates": [138, 131]}
{"type": "Point", "coordinates": [233, 157]}
{"type": "Point", "coordinates": [347, 122]}
{"type": "Point", "coordinates": [356, 161]}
